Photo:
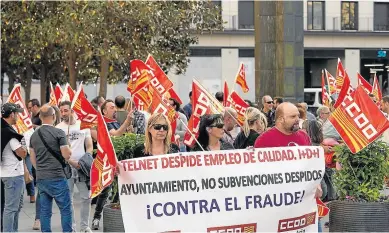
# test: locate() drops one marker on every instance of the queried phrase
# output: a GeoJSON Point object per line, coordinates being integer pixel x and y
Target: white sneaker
{"type": "Point", "coordinates": [87, 230]}
{"type": "Point", "coordinates": [95, 224]}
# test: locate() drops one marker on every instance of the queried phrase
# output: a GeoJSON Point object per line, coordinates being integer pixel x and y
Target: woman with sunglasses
{"type": "Point", "coordinates": [211, 132]}
{"type": "Point", "coordinates": [157, 139]}
{"type": "Point", "coordinates": [254, 124]}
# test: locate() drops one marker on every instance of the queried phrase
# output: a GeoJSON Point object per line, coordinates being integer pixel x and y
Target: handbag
{"type": "Point", "coordinates": [27, 176]}
{"type": "Point", "coordinates": [65, 165]}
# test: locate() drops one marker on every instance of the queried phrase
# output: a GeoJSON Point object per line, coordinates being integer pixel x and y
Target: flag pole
{"type": "Point", "coordinates": [198, 143]}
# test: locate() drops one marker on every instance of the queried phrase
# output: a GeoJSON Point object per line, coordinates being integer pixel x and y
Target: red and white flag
{"type": "Point", "coordinates": [104, 165]}
{"type": "Point", "coordinates": [358, 120]}
{"type": "Point", "coordinates": [23, 124]}
{"type": "Point", "coordinates": [365, 84]}
{"type": "Point", "coordinates": [325, 97]}
{"type": "Point", "coordinates": [68, 93]}
{"type": "Point", "coordinates": [239, 105]}
{"type": "Point", "coordinates": [84, 110]}
{"type": "Point", "coordinates": [331, 81]}
{"type": "Point", "coordinates": [240, 78]}
{"type": "Point", "coordinates": [139, 77]}
{"type": "Point", "coordinates": [345, 90]}
{"type": "Point", "coordinates": [58, 93]}
{"type": "Point", "coordinates": [322, 209]}
{"type": "Point", "coordinates": [159, 80]}
{"type": "Point", "coordinates": [340, 76]}
{"type": "Point", "coordinates": [376, 89]}
{"type": "Point", "coordinates": [203, 103]}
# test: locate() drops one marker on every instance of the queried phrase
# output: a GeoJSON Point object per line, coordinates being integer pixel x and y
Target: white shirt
{"type": "Point", "coordinates": [76, 138]}
{"type": "Point", "coordinates": [11, 166]}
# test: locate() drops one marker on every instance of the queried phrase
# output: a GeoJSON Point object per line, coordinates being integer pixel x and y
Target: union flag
{"type": "Point", "coordinates": [160, 81]}
{"type": "Point", "coordinates": [345, 91]}
{"type": "Point", "coordinates": [376, 89]}
{"type": "Point", "coordinates": [365, 84]}
{"type": "Point", "coordinates": [325, 98]}
{"type": "Point", "coordinates": [322, 209]}
{"type": "Point", "coordinates": [226, 95]}
{"type": "Point", "coordinates": [104, 165]}
{"type": "Point", "coordinates": [68, 93]}
{"type": "Point", "coordinates": [240, 78]}
{"type": "Point", "coordinates": [358, 120]}
{"type": "Point", "coordinates": [331, 81]}
{"type": "Point", "coordinates": [58, 93]}
{"type": "Point", "coordinates": [23, 124]}
{"type": "Point", "coordinates": [84, 110]}
{"type": "Point", "coordinates": [340, 76]}
{"type": "Point", "coordinates": [144, 95]}
{"type": "Point", "coordinates": [239, 105]}
{"type": "Point", "coordinates": [53, 99]}
{"type": "Point", "coordinates": [139, 77]}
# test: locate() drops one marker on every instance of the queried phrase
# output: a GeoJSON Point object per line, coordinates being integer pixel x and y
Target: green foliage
{"type": "Point", "coordinates": [362, 175]}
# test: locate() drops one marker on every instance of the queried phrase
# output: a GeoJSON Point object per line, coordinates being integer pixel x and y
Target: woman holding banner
{"type": "Point", "coordinates": [254, 124]}
{"type": "Point", "coordinates": [158, 138]}
{"type": "Point", "coordinates": [211, 133]}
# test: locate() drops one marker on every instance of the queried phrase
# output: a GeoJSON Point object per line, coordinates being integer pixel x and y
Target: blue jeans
{"type": "Point", "coordinates": [319, 226]}
{"type": "Point", "coordinates": [13, 193]}
{"type": "Point", "coordinates": [58, 190]}
{"type": "Point", "coordinates": [29, 187]}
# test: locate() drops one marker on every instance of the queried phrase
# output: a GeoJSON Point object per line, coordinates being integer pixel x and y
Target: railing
{"type": "Point", "coordinates": [329, 23]}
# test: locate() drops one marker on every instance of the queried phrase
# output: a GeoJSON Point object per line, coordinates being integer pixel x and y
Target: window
{"type": "Point", "coordinates": [381, 16]}
{"type": "Point", "coordinates": [246, 14]}
{"type": "Point", "coordinates": [316, 16]}
{"type": "Point", "coordinates": [349, 16]}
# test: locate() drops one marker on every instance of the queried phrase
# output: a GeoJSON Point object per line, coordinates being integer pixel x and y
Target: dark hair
{"type": "Point", "coordinates": [219, 96]}
{"type": "Point", "coordinates": [34, 102]}
{"type": "Point", "coordinates": [66, 102]}
{"type": "Point", "coordinates": [279, 100]}
{"type": "Point", "coordinates": [206, 121]}
{"type": "Point", "coordinates": [190, 94]}
{"type": "Point", "coordinates": [385, 99]}
{"type": "Point", "coordinates": [176, 105]}
{"type": "Point", "coordinates": [104, 104]}
{"type": "Point", "coordinates": [96, 99]}
{"type": "Point", "coordinates": [120, 101]}
{"type": "Point", "coordinates": [314, 131]}
{"type": "Point", "coordinates": [249, 103]}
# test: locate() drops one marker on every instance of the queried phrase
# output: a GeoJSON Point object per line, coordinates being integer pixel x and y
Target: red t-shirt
{"type": "Point", "coordinates": [275, 138]}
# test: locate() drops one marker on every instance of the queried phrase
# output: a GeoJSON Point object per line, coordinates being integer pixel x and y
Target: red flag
{"type": "Point", "coordinates": [365, 84]}
{"type": "Point", "coordinates": [23, 124]}
{"type": "Point", "coordinates": [340, 75]}
{"type": "Point", "coordinates": [144, 95]}
{"type": "Point", "coordinates": [86, 113]}
{"type": "Point", "coordinates": [322, 209]}
{"type": "Point", "coordinates": [345, 90]}
{"type": "Point", "coordinates": [159, 80]}
{"type": "Point", "coordinates": [203, 103]}
{"type": "Point", "coordinates": [139, 104]}
{"type": "Point", "coordinates": [172, 94]}
{"type": "Point", "coordinates": [140, 76]}
{"type": "Point", "coordinates": [358, 120]}
{"type": "Point", "coordinates": [331, 83]}
{"type": "Point", "coordinates": [239, 105]}
{"type": "Point", "coordinates": [58, 93]}
{"type": "Point", "coordinates": [161, 105]}
{"type": "Point", "coordinates": [240, 78]}
{"type": "Point", "coordinates": [226, 96]}
{"type": "Point", "coordinates": [325, 98]}
{"type": "Point", "coordinates": [104, 165]}
{"type": "Point", "coordinates": [53, 99]}
{"type": "Point", "coordinates": [376, 89]}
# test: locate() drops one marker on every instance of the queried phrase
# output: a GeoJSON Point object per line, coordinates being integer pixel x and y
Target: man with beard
{"type": "Point", "coordinates": [229, 118]}
{"type": "Point", "coordinates": [81, 144]}
{"type": "Point", "coordinates": [108, 110]}
{"type": "Point", "coordinates": [286, 131]}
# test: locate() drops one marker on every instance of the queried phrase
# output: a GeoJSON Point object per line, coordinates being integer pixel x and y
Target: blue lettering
{"type": "Point", "coordinates": [155, 210]}
{"type": "Point", "coordinates": [165, 209]}
{"type": "Point", "coordinates": [228, 203]}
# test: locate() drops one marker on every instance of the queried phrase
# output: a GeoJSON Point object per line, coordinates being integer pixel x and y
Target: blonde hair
{"type": "Point", "coordinates": [148, 139]}
{"type": "Point", "coordinates": [250, 117]}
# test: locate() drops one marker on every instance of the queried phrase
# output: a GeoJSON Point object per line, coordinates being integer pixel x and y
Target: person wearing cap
{"type": "Point", "coordinates": [12, 169]}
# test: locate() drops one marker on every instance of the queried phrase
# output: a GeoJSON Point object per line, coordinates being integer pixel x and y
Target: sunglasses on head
{"type": "Point", "coordinates": [217, 125]}
{"type": "Point", "coordinates": [159, 127]}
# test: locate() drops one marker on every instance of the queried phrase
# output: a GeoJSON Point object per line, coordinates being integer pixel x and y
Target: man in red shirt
{"type": "Point", "coordinates": [286, 130]}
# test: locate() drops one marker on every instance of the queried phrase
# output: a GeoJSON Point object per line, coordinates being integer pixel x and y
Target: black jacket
{"type": "Point", "coordinates": [7, 133]}
{"type": "Point", "coordinates": [242, 142]}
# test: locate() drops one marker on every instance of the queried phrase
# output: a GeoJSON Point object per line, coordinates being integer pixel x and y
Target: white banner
{"type": "Point", "coordinates": [261, 190]}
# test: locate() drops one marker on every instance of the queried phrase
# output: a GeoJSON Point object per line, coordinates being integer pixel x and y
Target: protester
{"type": "Point", "coordinates": [11, 169]}
{"type": "Point", "coordinates": [267, 109]}
{"type": "Point", "coordinates": [323, 112]}
{"type": "Point", "coordinates": [33, 107]}
{"type": "Point", "coordinates": [108, 110]}
{"type": "Point", "coordinates": [98, 100]}
{"type": "Point", "coordinates": [182, 123]}
{"type": "Point", "coordinates": [385, 110]}
{"type": "Point", "coordinates": [139, 123]}
{"type": "Point", "coordinates": [81, 144]}
{"type": "Point", "coordinates": [188, 107]}
{"type": "Point", "coordinates": [219, 96]}
{"type": "Point", "coordinates": [329, 130]}
{"type": "Point", "coordinates": [254, 124]}
{"type": "Point", "coordinates": [121, 113]}
{"type": "Point", "coordinates": [49, 150]}
{"type": "Point", "coordinates": [277, 101]}
{"type": "Point", "coordinates": [157, 138]}
{"type": "Point", "coordinates": [211, 132]}
{"type": "Point", "coordinates": [229, 117]}
{"type": "Point", "coordinates": [302, 114]}
{"type": "Point", "coordinates": [310, 116]}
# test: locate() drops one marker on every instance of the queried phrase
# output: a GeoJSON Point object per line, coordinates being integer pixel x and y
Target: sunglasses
{"type": "Point", "coordinates": [269, 102]}
{"type": "Point", "coordinates": [159, 127]}
{"type": "Point", "coordinates": [217, 125]}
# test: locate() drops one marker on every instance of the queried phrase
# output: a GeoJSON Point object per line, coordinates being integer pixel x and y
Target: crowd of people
{"type": "Point", "coordinates": [60, 154]}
